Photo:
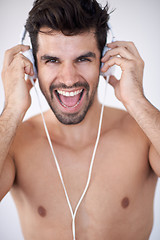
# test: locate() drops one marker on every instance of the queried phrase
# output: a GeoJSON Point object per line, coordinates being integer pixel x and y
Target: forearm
{"type": "Point", "coordinates": [129, 90]}
{"type": "Point", "coordinates": [148, 118]}
{"type": "Point", "coordinates": [9, 121]}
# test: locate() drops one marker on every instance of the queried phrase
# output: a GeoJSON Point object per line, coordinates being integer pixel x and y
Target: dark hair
{"type": "Point", "coordinates": [71, 17]}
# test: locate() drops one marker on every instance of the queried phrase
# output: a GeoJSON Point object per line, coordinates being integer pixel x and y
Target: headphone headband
{"type": "Point", "coordinates": [23, 35]}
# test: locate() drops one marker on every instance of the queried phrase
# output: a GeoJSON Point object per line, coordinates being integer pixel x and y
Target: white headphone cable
{"type": "Point", "coordinates": [73, 214]}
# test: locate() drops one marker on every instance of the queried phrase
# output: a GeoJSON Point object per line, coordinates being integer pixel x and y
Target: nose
{"type": "Point", "coordinates": [68, 74]}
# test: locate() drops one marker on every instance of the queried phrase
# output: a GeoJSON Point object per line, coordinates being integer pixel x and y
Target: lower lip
{"type": "Point", "coordinates": [71, 109]}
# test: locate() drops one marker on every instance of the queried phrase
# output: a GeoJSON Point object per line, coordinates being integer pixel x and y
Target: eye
{"type": "Point", "coordinates": [84, 59]}
{"type": "Point", "coordinates": [52, 60]}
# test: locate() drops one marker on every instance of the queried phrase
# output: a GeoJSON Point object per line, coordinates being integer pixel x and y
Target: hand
{"type": "Point", "coordinates": [13, 75]}
{"type": "Point", "coordinates": [126, 56]}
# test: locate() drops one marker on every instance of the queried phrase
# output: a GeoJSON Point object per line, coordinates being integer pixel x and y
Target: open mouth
{"type": "Point", "coordinates": [69, 99]}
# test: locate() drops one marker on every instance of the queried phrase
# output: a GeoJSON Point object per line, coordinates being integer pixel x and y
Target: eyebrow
{"type": "Point", "coordinates": [48, 57]}
{"type": "Point", "coordinates": [86, 55]}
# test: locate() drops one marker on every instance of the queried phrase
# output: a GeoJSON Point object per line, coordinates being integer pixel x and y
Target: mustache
{"type": "Point", "coordinates": [64, 86]}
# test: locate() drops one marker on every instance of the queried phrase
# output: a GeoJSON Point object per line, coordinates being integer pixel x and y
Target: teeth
{"type": "Point", "coordinates": [69, 94]}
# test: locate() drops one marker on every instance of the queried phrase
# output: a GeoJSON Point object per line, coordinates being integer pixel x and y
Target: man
{"type": "Point", "coordinates": [68, 37]}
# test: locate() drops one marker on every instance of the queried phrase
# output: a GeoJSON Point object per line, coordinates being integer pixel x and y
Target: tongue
{"type": "Point", "coordinates": [70, 101]}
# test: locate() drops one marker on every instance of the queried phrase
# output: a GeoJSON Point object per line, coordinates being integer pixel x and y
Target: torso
{"type": "Point", "coordinates": [118, 203]}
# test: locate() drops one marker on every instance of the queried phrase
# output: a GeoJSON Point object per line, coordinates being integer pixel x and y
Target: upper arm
{"type": "Point", "coordinates": [154, 159]}
{"type": "Point", "coordinates": [7, 177]}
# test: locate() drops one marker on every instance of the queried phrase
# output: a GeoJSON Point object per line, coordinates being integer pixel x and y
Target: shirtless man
{"type": "Point", "coordinates": [67, 45]}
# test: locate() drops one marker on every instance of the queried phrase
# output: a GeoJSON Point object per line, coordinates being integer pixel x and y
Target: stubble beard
{"type": "Point", "coordinates": [71, 118]}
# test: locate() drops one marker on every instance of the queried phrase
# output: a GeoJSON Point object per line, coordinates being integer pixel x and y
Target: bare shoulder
{"type": "Point", "coordinates": [121, 121]}
{"type": "Point", "coordinates": [29, 129]}
{"type": "Point", "coordinates": [28, 133]}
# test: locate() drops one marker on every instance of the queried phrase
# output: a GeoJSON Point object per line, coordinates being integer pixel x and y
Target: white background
{"type": "Point", "coordinates": [136, 21]}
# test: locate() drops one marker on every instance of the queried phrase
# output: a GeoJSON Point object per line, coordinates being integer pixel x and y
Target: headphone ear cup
{"type": "Point", "coordinates": [111, 70]}
{"type": "Point", "coordinates": [29, 54]}
{"type": "Point", "coordinates": [105, 49]}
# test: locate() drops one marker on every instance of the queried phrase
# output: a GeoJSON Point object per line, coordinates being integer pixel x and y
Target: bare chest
{"type": "Point", "coordinates": [116, 195]}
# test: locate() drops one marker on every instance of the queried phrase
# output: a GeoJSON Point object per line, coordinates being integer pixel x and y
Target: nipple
{"type": "Point", "coordinates": [42, 211]}
{"type": "Point", "coordinates": [125, 202]}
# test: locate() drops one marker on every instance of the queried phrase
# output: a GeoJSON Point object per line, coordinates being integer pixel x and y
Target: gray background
{"type": "Point", "coordinates": [136, 21]}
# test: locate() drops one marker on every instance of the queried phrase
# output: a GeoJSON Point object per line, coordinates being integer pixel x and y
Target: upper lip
{"type": "Point", "coordinates": [69, 93]}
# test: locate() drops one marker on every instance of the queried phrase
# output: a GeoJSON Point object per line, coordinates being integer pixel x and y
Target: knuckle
{"type": "Point", "coordinates": [131, 43]}
{"type": "Point", "coordinates": [132, 64]}
{"type": "Point", "coordinates": [18, 56]}
{"type": "Point", "coordinates": [141, 62]}
{"type": "Point", "coordinates": [16, 48]}
{"type": "Point", "coordinates": [19, 59]}
{"type": "Point", "coordinates": [7, 52]}
{"type": "Point", "coordinates": [121, 49]}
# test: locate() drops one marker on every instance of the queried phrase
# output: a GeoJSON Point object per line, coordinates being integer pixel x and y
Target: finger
{"type": "Point", "coordinates": [121, 62]}
{"type": "Point", "coordinates": [128, 45]}
{"type": "Point", "coordinates": [121, 51]}
{"type": "Point", "coordinates": [10, 53]}
{"type": "Point", "coordinates": [29, 83]}
{"type": "Point", "coordinates": [19, 67]}
{"type": "Point", "coordinates": [113, 81]}
{"type": "Point", "coordinates": [26, 64]}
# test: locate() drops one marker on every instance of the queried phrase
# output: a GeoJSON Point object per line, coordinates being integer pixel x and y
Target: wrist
{"type": "Point", "coordinates": [14, 111]}
{"type": "Point", "coordinates": [133, 106]}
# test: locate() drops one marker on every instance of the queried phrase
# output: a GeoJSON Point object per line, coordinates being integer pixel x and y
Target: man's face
{"type": "Point", "coordinates": [68, 72]}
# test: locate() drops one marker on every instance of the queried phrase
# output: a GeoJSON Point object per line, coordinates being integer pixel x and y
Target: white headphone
{"type": "Point", "coordinates": [29, 54]}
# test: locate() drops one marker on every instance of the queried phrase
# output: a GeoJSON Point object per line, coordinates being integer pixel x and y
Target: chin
{"type": "Point", "coordinates": [72, 118]}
